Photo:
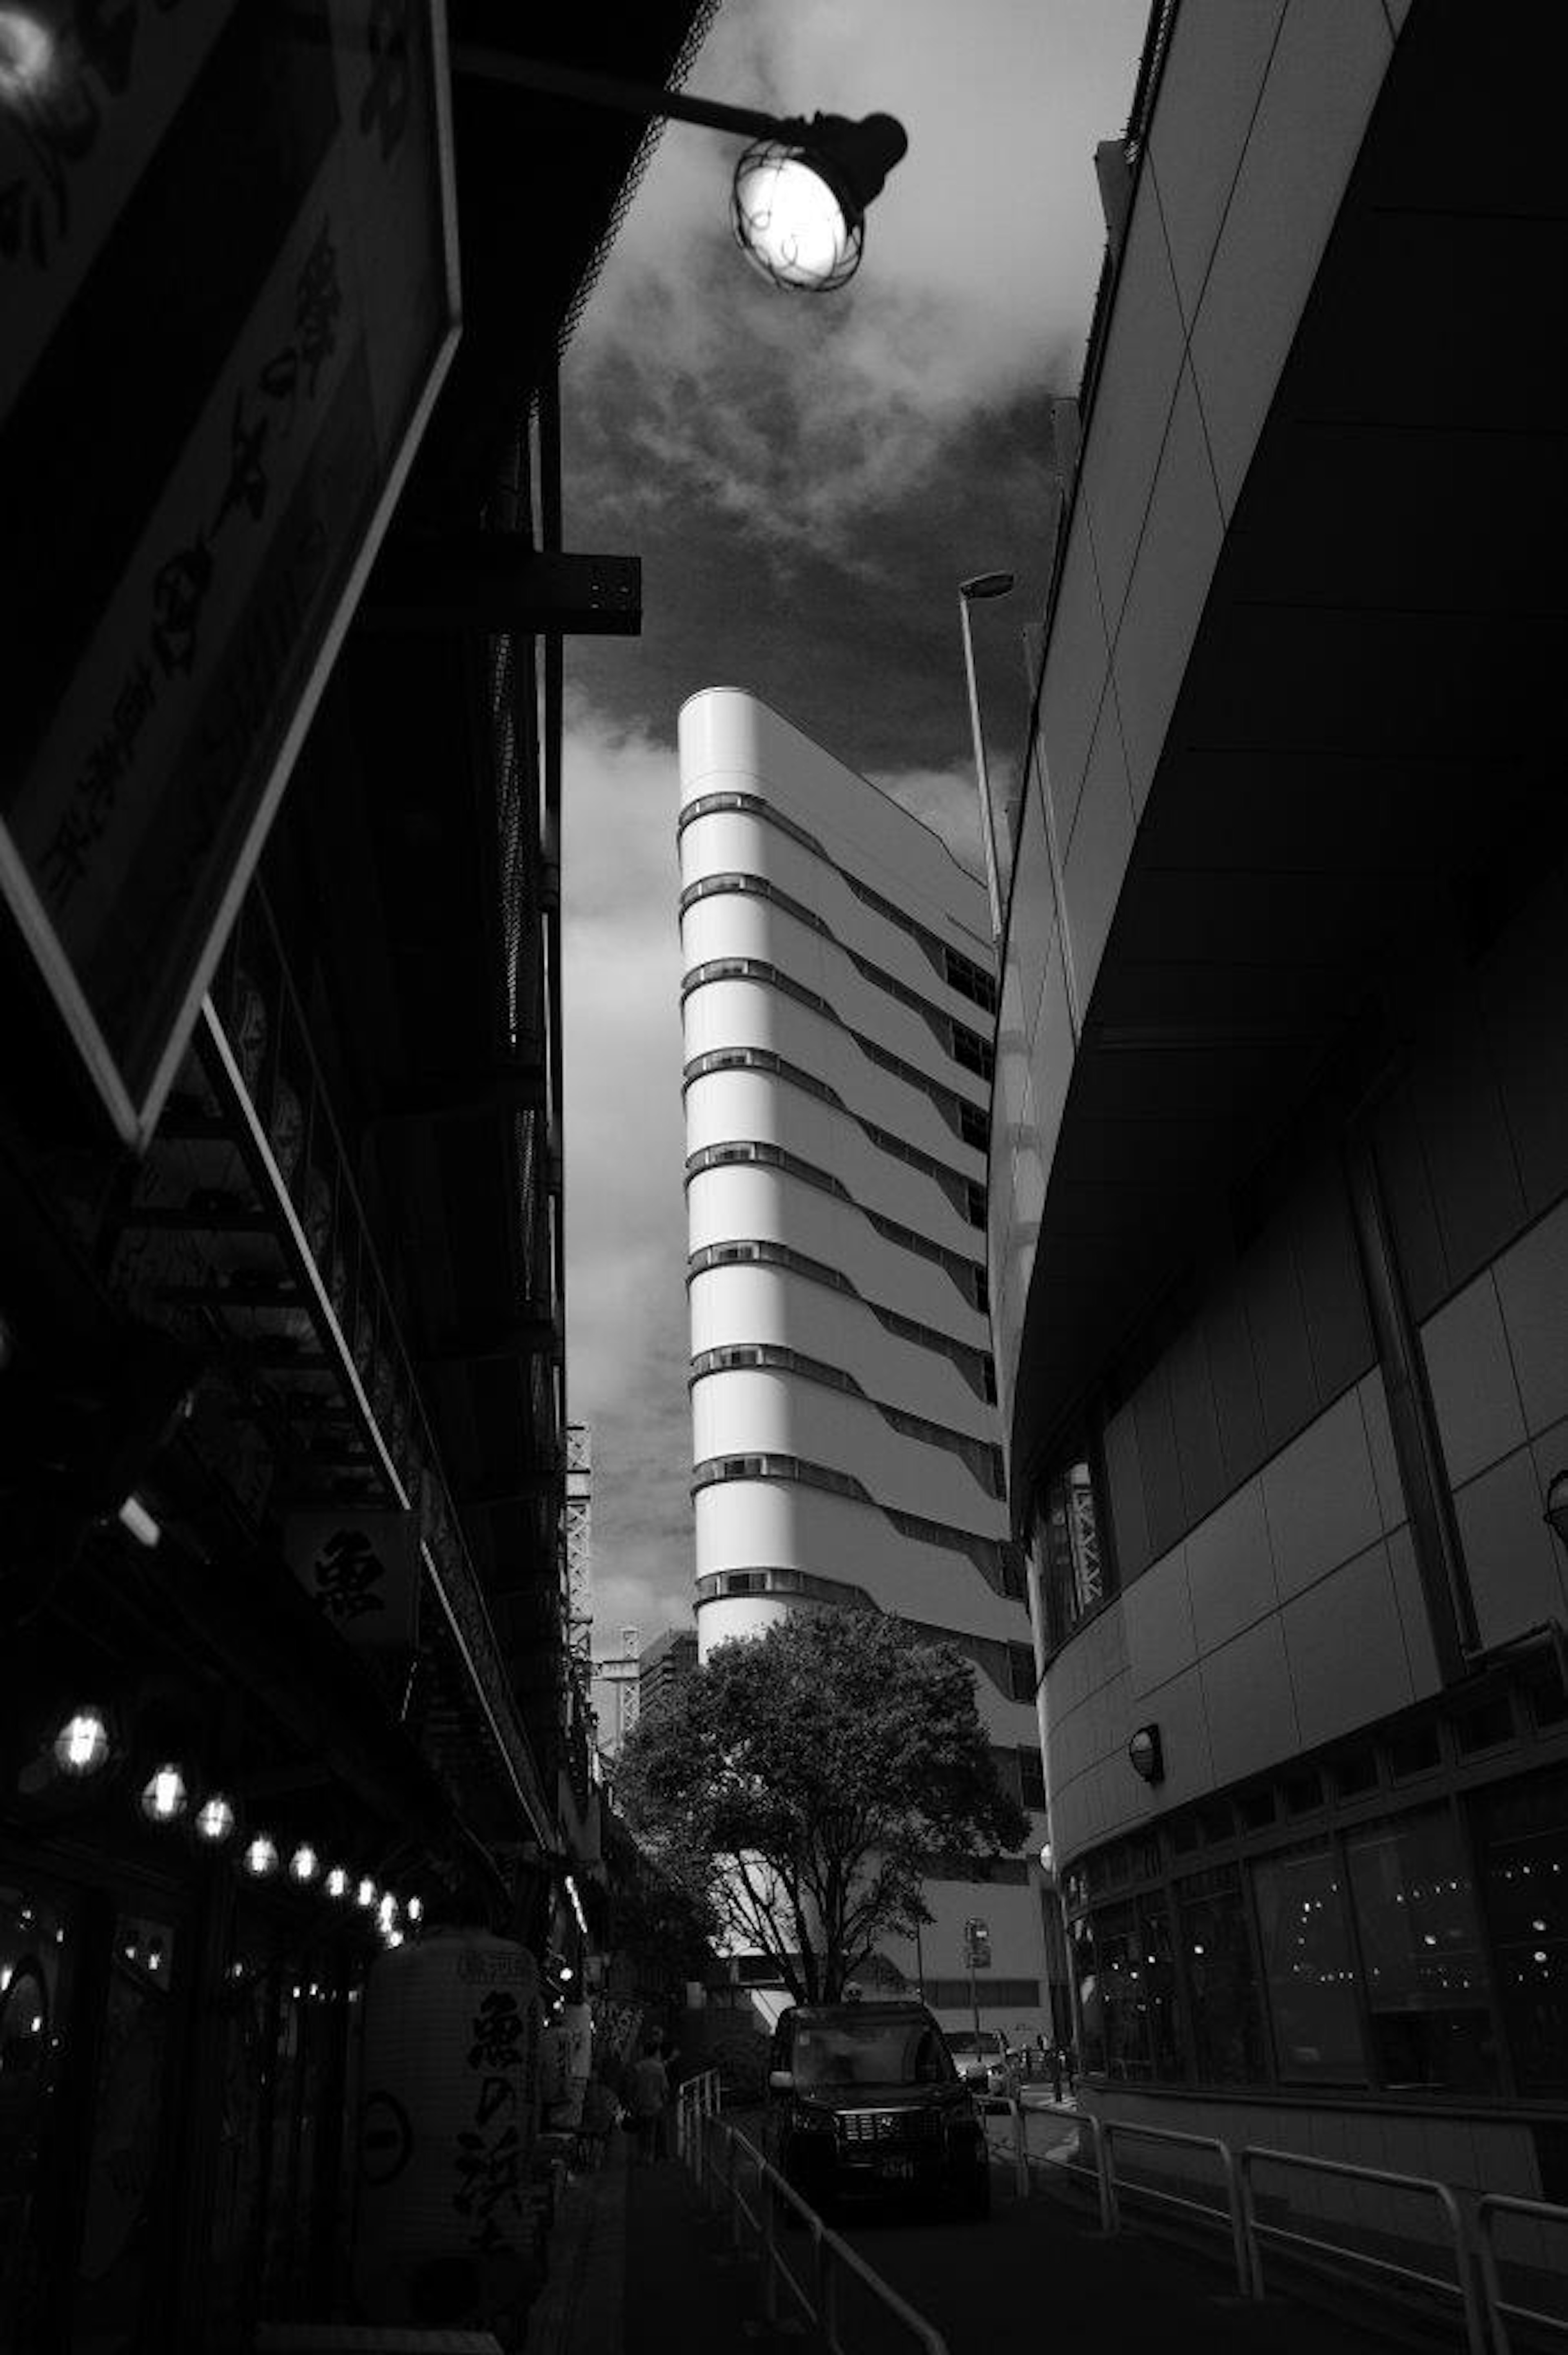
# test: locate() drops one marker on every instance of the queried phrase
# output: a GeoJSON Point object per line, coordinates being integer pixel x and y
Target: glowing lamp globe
{"type": "Point", "coordinates": [261, 1857]}
{"type": "Point", "coordinates": [337, 1883]}
{"type": "Point", "coordinates": [798, 202]}
{"type": "Point", "coordinates": [305, 1864]}
{"type": "Point", "coordinates": [214, 1820]}
{"type": "Point", "coordinates": [163, 1794]}
{"type": "Point", "coordinates": [81, 1746]}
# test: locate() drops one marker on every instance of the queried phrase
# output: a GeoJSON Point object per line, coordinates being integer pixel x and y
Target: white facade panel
{"type": "Point", "coordinates": [920, 1532]}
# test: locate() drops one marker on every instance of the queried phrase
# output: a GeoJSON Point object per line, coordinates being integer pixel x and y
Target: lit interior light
{"type": "Point", "coordinates": [577, 1904]}
{"type": "Point", "coordinates": [163, 1794]}
{"type": "Point", "coordinates": [337, 1883]}
{"type": "Point", "coordinates": [81, 1746]}
{"type": "Point", "coordinates": [386, 1911]}
{"type": "Point", "coordinates": [261, 1857]}
{"type": "Point", "coordinates": [568, 1972]}
{"type": "Point", "coordinates": [4, 1977]}
{"type": "Point", "coordinates": [134, 1516]}
{"type": "Point", "coordinates": [365, 1893]}
{"type": "Point", "coordinates": [27, 54]}
{"type": "Point", "coordinates": [305, 1864]}
{"type": "Point", "coordinates": [394, 1937]}
{"type": "Point", "coordinates": [214, 1820]}
{"type": "Point", "coordinates": [416, 1909]}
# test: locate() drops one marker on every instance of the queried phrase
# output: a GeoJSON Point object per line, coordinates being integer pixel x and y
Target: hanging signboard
{"type": "Point", "coordinates": [362, 1571]}
{"type": "Point", "coordinates": [228, 299]}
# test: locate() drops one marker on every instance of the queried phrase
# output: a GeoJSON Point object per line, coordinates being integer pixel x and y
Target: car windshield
{"type": "Point", "coordinates": [872, 2052]}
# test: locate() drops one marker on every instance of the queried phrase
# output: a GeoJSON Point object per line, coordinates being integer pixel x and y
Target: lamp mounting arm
{"type": "Point", "coordinates": [645, 98]}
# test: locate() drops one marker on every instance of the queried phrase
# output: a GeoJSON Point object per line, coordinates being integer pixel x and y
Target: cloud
{"type": "Point", "coordinates": [795, 419]}
{"type": "Point", "coordinates": [806, 483]}
{"type": "Point", "coordinates": [626, 1303]}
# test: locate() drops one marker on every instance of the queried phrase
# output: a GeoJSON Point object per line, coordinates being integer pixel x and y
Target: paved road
{"type": "Point", "coordinates": [1035, 2278]}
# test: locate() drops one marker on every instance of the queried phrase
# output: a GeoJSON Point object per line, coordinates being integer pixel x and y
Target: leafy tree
{"type": "Point", "coordinates": [803, 1781]}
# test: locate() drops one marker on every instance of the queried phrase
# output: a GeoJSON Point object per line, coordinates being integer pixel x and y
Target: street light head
{"type": "Point", "coordinates": [798, 201]}
{"type": "Point", "coordinates": [986, 584]}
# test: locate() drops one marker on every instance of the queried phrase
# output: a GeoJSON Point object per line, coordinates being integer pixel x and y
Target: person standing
{"type": "Point", "coordinates": [1055, 2073]}
{"type": "Point", "coordinates": [647, 2096]}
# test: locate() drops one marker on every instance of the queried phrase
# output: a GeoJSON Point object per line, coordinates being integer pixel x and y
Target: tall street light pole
{"type": "Point", "coordinates": [984, 584]}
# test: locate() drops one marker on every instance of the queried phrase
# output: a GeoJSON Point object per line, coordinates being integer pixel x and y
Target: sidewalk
{"type": "Point", "coordinates": [636, 2269]}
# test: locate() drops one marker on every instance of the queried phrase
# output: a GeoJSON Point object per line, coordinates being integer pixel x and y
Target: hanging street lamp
{"type": "Point", "coordinates": [798, 198]}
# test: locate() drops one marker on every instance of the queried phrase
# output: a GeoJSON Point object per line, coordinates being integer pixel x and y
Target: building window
{"type": "Point", "coordinates": [1221, 1984]}
{"type": "Point", "coordinates": [1522, 1833]}
{"type": "Point", "coordinates": [1021, 1671]}
{"type": "Point", "coordinates": [1032, 1778]}
{"type": "Point", "coordinates": [1072, 1555]}
{"type": "Point", "coordinates": [1308, 1968]}
{"type": "Point", "coordinates": [1420, 1939]}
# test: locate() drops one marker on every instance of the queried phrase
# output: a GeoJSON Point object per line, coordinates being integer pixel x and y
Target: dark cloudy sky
{"type": "Point", "coordinates": [806, 479]}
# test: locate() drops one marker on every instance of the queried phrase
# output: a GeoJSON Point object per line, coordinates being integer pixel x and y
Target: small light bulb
{"type": "Point", "coordinates": [81, 1746]}
{"type": "Point", "coordinates": [214, 1820]}
{"type": "Point", "coordinates": [337, 1883]}
{"type": "Point", "coordinates": [163, 1796]}
{"type": "Point", "coordinates": [305, 1864]}
{"type": "Point", "coordinates": [261, 1857]}
{"type": "Point", "coordinates": [394, 1937]}
{"type": "Point", "coordinates": [416, 1909]}
{"type": "Point", "coordinates": [366, 1892]}
{"type": "Point", "coordinates": [386, 1911]}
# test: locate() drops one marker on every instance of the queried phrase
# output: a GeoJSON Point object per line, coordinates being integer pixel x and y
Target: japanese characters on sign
{"type": "Point", "coordinates": [178, 578]}
{"type": "Point", "coordinates": [491, 2150]}
{"type": "Point", "coordinates": [362, 1569]}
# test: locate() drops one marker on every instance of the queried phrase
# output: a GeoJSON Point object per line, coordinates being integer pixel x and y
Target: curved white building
{"type": "Point", "coordinates": [838, 1010]}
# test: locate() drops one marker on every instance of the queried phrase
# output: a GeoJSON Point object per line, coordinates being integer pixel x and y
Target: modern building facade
{"type": "Point", "coordinates": [1279, 1163]}
{"type": "Point", "coordinates": [663, 1668]}
{"type": "Point", "coordinates": [838, 1008]}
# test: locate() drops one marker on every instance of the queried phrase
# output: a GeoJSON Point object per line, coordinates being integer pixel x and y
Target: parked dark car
{"type": "Point", "coordinates": [864, 2101]}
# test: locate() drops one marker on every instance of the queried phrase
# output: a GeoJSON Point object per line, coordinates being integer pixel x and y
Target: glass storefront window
{"type": "Point", "coordinates": [34, 1955]}
{"type": "Point", "coordinates": [1124, 2002]}
{"type": "Point", "coordinates": [1221, 1985]}
{"type": "Point", "coordinates": [1308, 1968]}
{"type": "Point", "coordinates": [1425, 1976]}
{"type": "Point", "coordinates": [127, 2115]}
{"type": "Point", "coordinates": [1522, 1832]}
{"type": "Point", "coordinates": [1091, 2009]}
{"type": "Point", "coordinates": [1160, 1992]}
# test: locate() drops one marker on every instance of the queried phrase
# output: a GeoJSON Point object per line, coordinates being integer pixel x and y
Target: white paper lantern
{"type": "Point", "coordinates": [448, 2115]}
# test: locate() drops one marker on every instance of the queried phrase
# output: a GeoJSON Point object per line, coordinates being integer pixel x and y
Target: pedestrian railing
{"type": "Point", "coordinates": [1501, 2311]}
{"type": "Point", "coordinates": [755, 2200]}
{"type": "Point", "coordinates": [696, 2098]}
{"type": "Point", "coordinates": [1475, 2283]}
{"type": "Point", "coordinates": [1463, 2283]}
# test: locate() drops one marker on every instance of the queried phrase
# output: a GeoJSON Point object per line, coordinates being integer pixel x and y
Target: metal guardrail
{"type": "Point", "coordinates": [696, 2098]}
{"type": "Point", "coordinates": [744, 2186]}
{"type": "Point", "coordinates": [1500, 2311]}
{"type": "Point", "coordinates": [1465, 2282]}
{"type": "Point", "coordinates": [1475, 2284]}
